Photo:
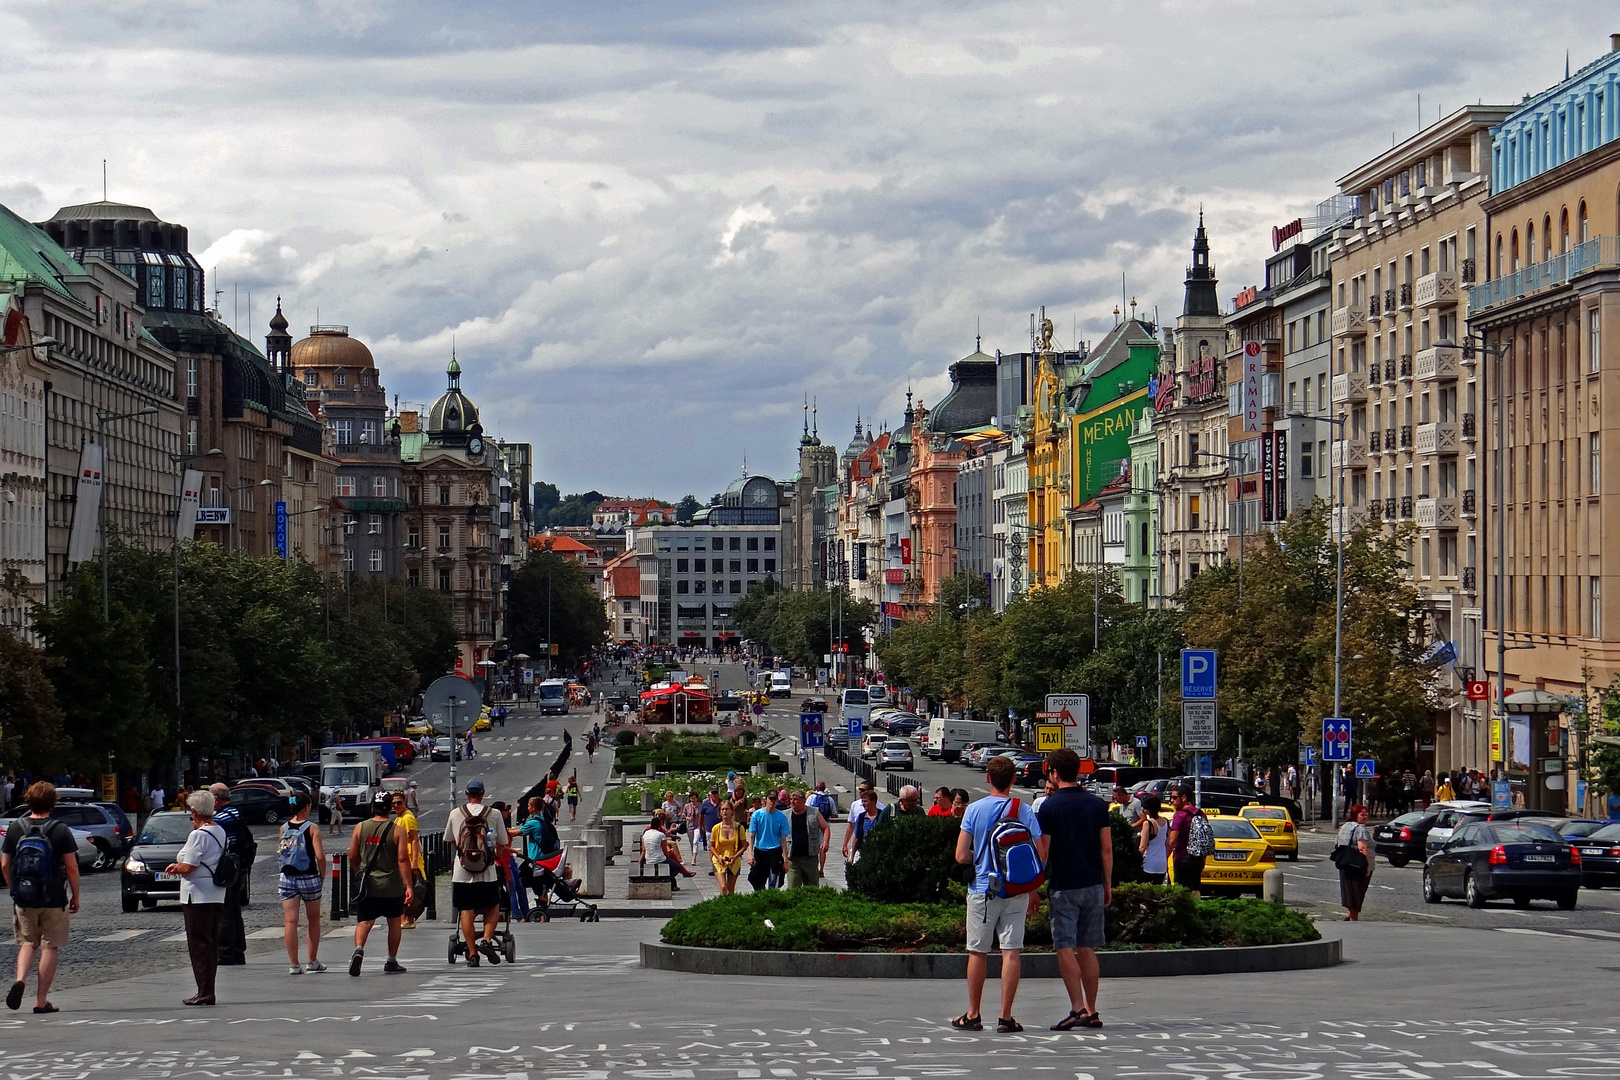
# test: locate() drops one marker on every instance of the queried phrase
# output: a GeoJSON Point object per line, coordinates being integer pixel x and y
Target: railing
{"type": "Point", "coordinates": [1374, 443]}
{"type": "Point", "coordinates": [1406, 365]}
{"type": "Point", "coordinates": [1406, 437]}
{"type": "Point", "coordinates": [1468, 580]}
{"type": "Point", "coordinates": [1469, 426]}
{"type": "Point", "coordinates": [1389, 299]}
{"type": "Point", "coordinates": [1372, 306]}
{"type": "Point", "coordinates": [1598, 252]}
{"type": "Point", "coordinates": [1406, 295]}
{"type": "Point", "coordinates": [1469, 502]}
{"type": "Point", "coordinates": [1389, 438]}
{"type": "Point", "coordinates": [1389, 508]}
{"type": "Point", "coordinates": [1468, 271]}
{"type": "Point", "coordinates": [1389, 370]}
{"type": "Point", "coordinates": [1406, 507]}
{"type": "Point", "coordinates": [1375, 510]}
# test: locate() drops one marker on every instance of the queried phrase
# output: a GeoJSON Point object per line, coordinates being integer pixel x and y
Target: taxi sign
{"type": "Point", "coordinates": [1049, 737]}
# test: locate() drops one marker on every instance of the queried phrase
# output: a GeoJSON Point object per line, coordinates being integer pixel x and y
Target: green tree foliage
{"type": "Point", "coordinates": [686, 508]}
{"type": "Point", "coordinates": [801, 624]}
{"type": "Point", "coordinates": [555, 591]}
{"type": "Point", "coordinates": [546, 496]}
{"type": "Point", "coordinates": [32, 734]}
{"type": "Point", "coordinates": [575, 510]}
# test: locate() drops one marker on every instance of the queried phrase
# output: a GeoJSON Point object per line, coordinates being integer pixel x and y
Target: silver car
{"type": "Point", "coordinates": [1451, 814]}
{"type": "Point", "coordinates": [896, 753]}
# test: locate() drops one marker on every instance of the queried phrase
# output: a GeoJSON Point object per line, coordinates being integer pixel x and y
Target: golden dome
{"type": "Point", "coordinates": [331, 346]}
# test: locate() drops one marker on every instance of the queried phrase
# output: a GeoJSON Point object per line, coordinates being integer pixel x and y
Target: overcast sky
{"type": "Point", "coordinates": [652, 228]}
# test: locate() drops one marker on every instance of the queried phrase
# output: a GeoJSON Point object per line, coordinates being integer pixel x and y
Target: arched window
{"type": "Point", "coordinates": [1530, 243]}
{"type": "Point", "coordinates": [1563, 231]}
{"type": "Point", "coordinates": [1546, 237]}
{"type": "Point", "coordinates": [1497, 268]}
{"type": "Point", "coordinates": [1514, 253]}
{"type": "Point", "coordinates": [1584, 234]}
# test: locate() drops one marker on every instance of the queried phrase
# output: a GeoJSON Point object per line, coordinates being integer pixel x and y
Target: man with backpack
{"type": "Point", "coordinates": [380, 851]}
{"type": "Point", "coordinates": [38, 861]}
{"type": "Point", "coordinates": [478, 835]}
{"type": "Point", "coordinates": [1191, 840]}
{"type": "Point", "coordinates": [301, 856]}
{"type": "Point", "coordinates": [1000, 839]}
{"type": "Point", "coordinates": [1078, 844]}
{"type": "Point", "coordinates": [239, 842]}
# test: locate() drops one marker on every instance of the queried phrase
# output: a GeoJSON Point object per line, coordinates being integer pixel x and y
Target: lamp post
{"type": "Point", "coordinates": [102, 420]}
{"type": "Point", "coordinates": [38, 343]}
{"type": "Point", "coordinates": [180, 460]}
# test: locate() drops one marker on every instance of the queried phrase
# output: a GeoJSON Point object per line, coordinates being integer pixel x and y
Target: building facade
{"type": "Point", "coordinates": [23, 377]}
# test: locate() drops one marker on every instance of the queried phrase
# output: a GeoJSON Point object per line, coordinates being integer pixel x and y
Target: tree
{"type": "Point", "coordinates": [551, 601]}
{"type": "Point", "coordinates": [801, 624]}
{"type": "Point", "coordinates": [32, 734]}
{"type": "Point", "coordinates": [545, 497]}
{"type": "Point", "coordinates": [686, 508]}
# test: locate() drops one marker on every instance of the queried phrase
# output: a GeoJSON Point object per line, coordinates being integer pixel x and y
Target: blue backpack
{"type": "Point", "coordinates": [296, 850]}
{"type": "Point", "coordinates": [1018, 868]}
{"type": "Point", "coordinates": [33, 869]}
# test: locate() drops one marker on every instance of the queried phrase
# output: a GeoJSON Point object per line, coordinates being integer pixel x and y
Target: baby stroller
{"type": "Point", "coordinates": [544, 876]}
{"type": "Point", "coordinates": [503, 939]}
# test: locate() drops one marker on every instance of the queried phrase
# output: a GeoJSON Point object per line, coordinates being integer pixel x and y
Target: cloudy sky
{"type": "Point", "coordinates": [653, 228]}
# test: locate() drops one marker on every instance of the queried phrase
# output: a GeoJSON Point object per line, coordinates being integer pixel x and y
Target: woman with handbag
{"type": "Point", "coordinates": [1353, 855]}
{"type": "Point", "coordinates": [202, 892]}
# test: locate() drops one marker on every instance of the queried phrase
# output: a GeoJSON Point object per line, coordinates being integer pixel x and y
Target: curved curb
{"type": "Point", "coordinates": [1036, 965]}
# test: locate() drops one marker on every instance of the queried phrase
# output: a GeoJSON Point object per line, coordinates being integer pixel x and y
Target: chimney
{"type": "Point", "coordinates": [1614, 42]}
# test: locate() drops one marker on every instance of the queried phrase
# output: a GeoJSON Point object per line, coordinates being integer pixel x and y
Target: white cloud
{"type": "Point", "coordinates": [652, 229]}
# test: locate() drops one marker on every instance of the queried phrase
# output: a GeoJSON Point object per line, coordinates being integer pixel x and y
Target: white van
{"type": "Point", "coordinates": [856, 703]}
{"type": "Point", "coordinates": [781, 684]}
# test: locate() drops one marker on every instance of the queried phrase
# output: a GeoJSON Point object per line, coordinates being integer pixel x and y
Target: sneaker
{"type": "Point", "coordinates": [314, 966]}
{"type": "Point", "coordinates": [472, 960]}
{"type": "Point", "coordinates": [393, 967]}
{"type": "Point", "coordinates": [295, 970]}
{"type": "Point", "coordinates": [355, 961]}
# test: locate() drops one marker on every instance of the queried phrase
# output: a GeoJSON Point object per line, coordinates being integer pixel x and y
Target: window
{"type": "Point", "coordinates": [444, 494]}
{"type": "Point", "coordinates": [374, 525]}
{"type": "Point", "coordinates": [414, 493]}
{"type": "Point", "coordinates": [444, 580]}
{"type": "Point", "coordinates": [682, 586]}
{"type": "Point", "coordinates": [348, 560]}
{"type": "Point", "coordinates": [345, 487]}
{"type": "Point", "coordinates": [626, 606]}
{"type": "Point", "coordinates": [340, 378]}
{"type": "Point", "coordinates": [1596, 627]}
{"type": "Point", "coordinates": [736, 586]}
{"type": "Point", "coordinates": [379, 486]}
{"type": "Point", "coordinates": [154, 286]}
{"type": "Point", "coordinates": [191, 436]}
{"type": "Point", "coordinates": [1193, 507]}
{"type": "Point", "coordinates": [719, 586]}
{"type": "Point", "coordinates": [700, 566]}
{"type": "Point", "coordinates": [628, 626]}
{"type": "Point", "coordinates": [1594, 340]}
{"type": "Point", "coordinates": [413, 578]}
{"type": "Point", "coordinates": [413, 536]}
{"type": "Point", "coordinates": [365, 378]}
{"type": "Point", "coordinates": [753, 543]}
{"type": "Point", "coordinates": [736, 566]}
{"type": "Point", "coordinates": [444, 538]}
{"type": "Point", "coordinates": [1594, 444]}
{"type": "Point", "coordinates": [736, 543]}
{"type": "Point", "coordinates": [700, 586]}
{"type": "Point", "coordinates": [1305, 467]}
{"type": "Point", "coordinates": [753, 566]}
{"type": "Point", "coordinates": [343, 431]}
{"type": "Point", "coordinates": [682, 566]}
{"type": "Point", "coordinates": [770, 543]}
{"type": "Point", "coordinates": [376, 560]}
{"type": "Point", "coordinates": [191, 376]}
{"type": "Point", "coordinates": [369, 432]}
{"type": "Point", "coordinates": [311, 379]}
{"type": "Point", "coordinates": [770, 566]}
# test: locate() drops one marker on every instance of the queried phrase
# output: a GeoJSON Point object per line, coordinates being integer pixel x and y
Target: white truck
{"type": "Point", "coordinates": [356, 773]}
{"type": "Point", "coordinates": [948, 738]}
{"type": "Point", "coordinates": [782, 683]}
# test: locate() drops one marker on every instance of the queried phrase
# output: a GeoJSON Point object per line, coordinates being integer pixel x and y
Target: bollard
{"type": "Point", "coordinates": [597, 837]}
{"type": "Point", "coordinates": [595, 878]}
{"type": "Point", "coordinates": [615, 838]}
{"type": "Point", "coordinates": [758, 770]}
{"type": "Point", "coordinates": [1272, 886]}
{"type": "Point", "coordinates": [431, 883]}
{"type": "Point", "coordinates": [652, 770]}
{"type": "Point", "coordinates": [340, 886]}
{"type": "Point", "coordinates": [649, 802]}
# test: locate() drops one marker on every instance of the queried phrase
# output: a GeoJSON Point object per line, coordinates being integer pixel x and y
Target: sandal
{"type": "Point", "coordinates": [46, 1008]}
{"type": "Point", "coordinates": [1006, 1025]}
{"type": "Point", "coordinates": [1070, 1022]}
{"type": "Point", "coordinates": [968, 1023]}
{"type": "Point", "coordinates": [1093, 1020]}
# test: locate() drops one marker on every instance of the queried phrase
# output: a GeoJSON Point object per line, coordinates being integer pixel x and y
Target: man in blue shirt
{"type": "Point", "coordinates": [767, 827]}
{"type": "Point", "coordinates": [993, 919]}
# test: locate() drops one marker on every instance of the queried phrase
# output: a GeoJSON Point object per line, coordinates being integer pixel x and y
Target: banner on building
{"type": "Point", "coordinates": [86, 505]}
{"type": "Point", "coordinates": [905, 551]}
{"type": "Point", "coordinates": [1252, 398]}
{"type": "Point", "coordinates": [185, 525]}
{"type": "Point", "coordinates": [1280, 464]}
{"type": "Point", "coordinates": [281, 529]}
{"type": "Point", "coordinates": [1268, 480]}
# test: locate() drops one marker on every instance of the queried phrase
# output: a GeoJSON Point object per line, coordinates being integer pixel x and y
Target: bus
{"type": "Point", "coordinates": [553, 696]}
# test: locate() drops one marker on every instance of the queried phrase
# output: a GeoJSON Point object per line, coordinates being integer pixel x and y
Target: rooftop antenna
{"type": "Point", "coordinates": [104, 160]}
{"type": "Point", "coordinates": [815, 423]}
{"type": "Point", "coordinates": [977, 337]}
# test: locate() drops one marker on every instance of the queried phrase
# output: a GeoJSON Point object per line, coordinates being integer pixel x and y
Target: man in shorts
{"type": "Point", "coordinates": [40, 884]}
{"type": "Point", "coordinates": [1185, 870]}
{"type": "Point", "coordinates": [380, 855]}
{"type": "Point", "coordinates": [475, 892]}
{"type": "Point", "coordinates": [993, 919]}
{"type": "Point", "coordinates": [1079, 854]}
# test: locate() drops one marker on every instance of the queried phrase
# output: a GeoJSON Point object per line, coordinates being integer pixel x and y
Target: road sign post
{"type": "Point", "coordinates": [1336, 733]}
{"type": "Point", "coordinates": [1366, 769]}
{"type": "Point", "coordinates": [1073, 712]}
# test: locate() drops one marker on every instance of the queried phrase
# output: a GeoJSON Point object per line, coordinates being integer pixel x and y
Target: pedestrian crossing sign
{"type": "Point", "coordinates": [1366, 769]}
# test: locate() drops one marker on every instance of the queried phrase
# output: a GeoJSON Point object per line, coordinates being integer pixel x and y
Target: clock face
{"type": "Point", "coordinates": [475, 445]}
{"type": "Point", "coordinates": [760, 497]}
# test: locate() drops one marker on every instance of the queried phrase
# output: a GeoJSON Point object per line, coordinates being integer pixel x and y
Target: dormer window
{"type": "Point", "coordinates": [341, 378]}
{"type": "Point", "coordinates": [311, 379]}
{"type": "Point", "coordinates": [365, 378]}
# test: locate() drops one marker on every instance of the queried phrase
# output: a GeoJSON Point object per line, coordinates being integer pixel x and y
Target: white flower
{"type": "Point", "coordinates": [769, 925]}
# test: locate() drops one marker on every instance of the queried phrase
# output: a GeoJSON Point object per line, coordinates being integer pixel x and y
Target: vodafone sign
{"type": "Point", "coordinates": [1251, 386]}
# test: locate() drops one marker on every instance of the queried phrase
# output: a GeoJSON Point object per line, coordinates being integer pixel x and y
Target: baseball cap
{"type": "Point", "coordinates": [475, 785]}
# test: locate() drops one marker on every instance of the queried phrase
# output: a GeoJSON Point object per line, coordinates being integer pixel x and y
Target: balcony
{"type": "Point", "coordinates": [1597, 253]}
{"type": "Point", "coordinates": [1389, 301]}
{"type": "Point", "coordinates": [1389, 439]}
{"type": "Point", "coordinates": [1468, 271]}
{"type": "Point", "coordinates": [1470, 505]}
{"type": "Point", "coordinates": [1406, 507]}
{"type": "Point", "coordinates": [1438, 363]}
{"type": "Point", "coordinates": [1349, 386]}
{"type": "Point", "coordinates": [1350, 518]}
{"type": "Point", "coordinates": [1350, 322]}
{"type": "Point", "coordinates": [1406, 365]}
{"type": "Point", "coordinates": [1389, 508]}
{"type": "Point", "coordinates": [1375, 510]}
{"type": "Point", "coordinates": [1438, 438]}
{"type": "Point", "coordinates": [1438, 513]}
{"type": "Point", "coordinates": [1469, 581]}
{"type": "Point", "coordinates": [1348, 455]}
{"type": "Point", "coordinates": [1389, 370]}
{"type": "Point", "coordinates": [1436, 290]}
{"type": "Point", "coordinates": [1470, 427]}
{"type": "Point", "coordinates": [1375, 443]}
{"type": "Point", "coordinates": [1406, 296]}
{"type": "Point", "coordinates": [1372, 306]}
{"type": "Point", "coordinates": [1406, 437]}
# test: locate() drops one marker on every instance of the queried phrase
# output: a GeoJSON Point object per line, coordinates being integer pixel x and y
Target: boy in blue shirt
{"type": "Point", "coordinates": [767, 827]}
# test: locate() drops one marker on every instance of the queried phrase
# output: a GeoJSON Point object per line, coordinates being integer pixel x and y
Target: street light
{"type": "Point", "coordinates": [230, 526]}
{"type": "Point", "coordinates": [1338, 582]}
{"type": "Point", "coordinates": [174, 547]}
{"type": "Point", "coordinates": [41, 343]}
{"type": "Point", "coordinates": [102, 420]}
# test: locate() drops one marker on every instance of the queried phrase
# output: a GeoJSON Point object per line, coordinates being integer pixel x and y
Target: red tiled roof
{"type": "Point", "coordinates": [562, 545]}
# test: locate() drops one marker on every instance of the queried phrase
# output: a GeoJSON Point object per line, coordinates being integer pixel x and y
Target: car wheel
{"type": "Point", "coordinates": [271, 817]}
{"type": "Point", "coordinates": [1566, 902]}
{"type": "Point", "coordinates": [1293, 856]}
{"type": "Point", "coordinates": [129, 905]}
{"type": "Point", "coordinates": [1430, 894]}
{"type": "Point", "coordinates": [1398, 861]}
{"type": "Point", "coordinates": [1521, 902]}
{"type": "Point", "coordinates": [1471, 893]}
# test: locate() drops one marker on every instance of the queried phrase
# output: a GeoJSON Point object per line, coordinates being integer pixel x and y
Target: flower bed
{"type": "Point", "coordinates": [684, 753]}
{"type": "Point", "coordinates": [626, 799]}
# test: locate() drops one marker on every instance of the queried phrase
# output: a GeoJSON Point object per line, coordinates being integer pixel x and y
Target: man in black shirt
{"type": "Point", "coordinates": [1079, 853]}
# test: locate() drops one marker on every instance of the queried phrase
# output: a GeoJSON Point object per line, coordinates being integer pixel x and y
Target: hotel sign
{"type": "Point", "coordinates": [1281, 233]}
{"type": "Point", "coordinates": [1251, 386]}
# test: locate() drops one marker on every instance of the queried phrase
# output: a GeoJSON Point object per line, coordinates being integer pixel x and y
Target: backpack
{"type": "Point", "coordinates": [1018, 868]}
{"type": "Point", "coordinates": [296, 850]}
{"type": "Point", "coordinates": [33, 869]}
{"type": "Point", "coordinates": [227, 868]}
{"type": "Point", "coordinates": [1200, 837]}
{"type": "Point", "coordinates": [472, 841]}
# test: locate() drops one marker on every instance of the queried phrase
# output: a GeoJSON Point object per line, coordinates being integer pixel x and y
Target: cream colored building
{"type": "Point", "coordinates": [23, 376]}
{"type": "Point", "coordinates": [1412, 447]}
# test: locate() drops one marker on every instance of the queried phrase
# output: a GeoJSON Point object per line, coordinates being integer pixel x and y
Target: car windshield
{"type": "Point", "coordinates": [1581, 828]}
{"type": "Point", "coordinates": [1414, 818]}
{"type": "Point", "coordinates": [1608, 832]}
{"type": "Point", "coordinates": [855, 697]}
{"type": "Point", "coordinates": [1525, 832]}
{"type": "Point", "coordinates": [347, 776]}
{"type": "Point", "coordinates": [1269, 813]}
{"type": "Point", "coordinates": [1231, 828]}
{"type": "Point", "coordinates": [548, 692]}
{"type": "Point", "coordinates": [165, 829]}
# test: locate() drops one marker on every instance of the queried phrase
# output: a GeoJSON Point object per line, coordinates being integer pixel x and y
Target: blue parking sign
{"type": "Point", "coordinates": [1198, 674]}
{"type": "Point", "coordinates": [854, 728]}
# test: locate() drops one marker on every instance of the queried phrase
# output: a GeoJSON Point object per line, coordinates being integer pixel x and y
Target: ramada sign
{"type": "Point", "coordinates": [1279, 233]}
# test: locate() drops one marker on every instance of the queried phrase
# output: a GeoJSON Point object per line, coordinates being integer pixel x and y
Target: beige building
{"type": "Point", "coordinates": [1412, 450]}
{"type": "Point", "coordinates": [23, 376]}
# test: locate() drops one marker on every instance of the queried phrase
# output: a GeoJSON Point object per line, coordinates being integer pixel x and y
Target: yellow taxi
{"type": "Point", "coordinates": [1275, 827]}
{"type": "Point", "coordinates": [1241, 857]}
{"type": "Point", "coordinates": [418, 728]}
{"type": "Point", "coordinates": [483, 722]}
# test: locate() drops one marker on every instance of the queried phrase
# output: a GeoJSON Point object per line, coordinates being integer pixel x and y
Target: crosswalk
{"type": "Point", "coordinates": [1562, 932]}
{"type": "Point", "coordinates": [168, 936]}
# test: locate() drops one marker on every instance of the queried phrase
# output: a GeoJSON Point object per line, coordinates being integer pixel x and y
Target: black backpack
{"type": "Point", "coordinates": [33, 868]}
{"type": "Point", "coordinates": [227, 868]}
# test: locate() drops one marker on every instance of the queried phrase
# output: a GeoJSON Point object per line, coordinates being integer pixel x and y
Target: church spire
{"type": "Point", "coordinates": [1200, 296]}
{"type": "Point", "coordinates": [804, 440]}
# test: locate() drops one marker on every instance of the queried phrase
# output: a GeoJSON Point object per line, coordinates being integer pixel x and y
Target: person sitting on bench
{"type": "Point", "coordinates": [659, 849]}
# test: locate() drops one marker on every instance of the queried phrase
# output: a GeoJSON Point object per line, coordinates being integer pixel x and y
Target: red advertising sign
{"type": "Point", "coordinates": [894, 576]}
{"type": "Point", "coordinates": [1479, 690]}
{"type": "Point", "coordinates": [1251, 386]}
{"type": "Point", "coordinates": [905, 550]}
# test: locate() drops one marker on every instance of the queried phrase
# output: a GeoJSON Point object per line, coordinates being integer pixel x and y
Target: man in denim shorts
{"type": "Point", "coordinates": [1079, 871]}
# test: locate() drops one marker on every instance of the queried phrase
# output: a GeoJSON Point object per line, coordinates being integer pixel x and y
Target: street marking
{"type": "Point", "coordinates": [1531, 914]}
{"type": "Point", "coordinates": [1525, 930]}
{"type": "Point", "coordinates": [1428, 915]}
{"type": "Point", "coordinates": [1596, 933]}
{"type": "Point", "coordinates": [266, 934]}
{"type": "Point", "coordinates": [120, 935]}
{"type": "Point", "coordinates": [174, 937]}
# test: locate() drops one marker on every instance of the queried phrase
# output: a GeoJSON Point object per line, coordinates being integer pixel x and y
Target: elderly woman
{"type": "Point", "coordinates": [202, 901]}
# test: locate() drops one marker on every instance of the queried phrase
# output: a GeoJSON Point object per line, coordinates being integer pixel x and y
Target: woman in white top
{"type": "Point", "coordinates": [200, 898]}
{"type": "Point", "coordinates": [1154, 830]}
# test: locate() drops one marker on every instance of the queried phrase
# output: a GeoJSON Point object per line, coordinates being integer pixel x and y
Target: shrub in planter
{"type": "Point", "coordinates": [625, 738]}
{"type": "Point", "coordinates": [808, 920]}
{"type": "Point", "coordinates": [1253, 922]}
{"type": "Point", "coordinates": [912, 858]}
{"type": "Point", "coordinates": [1127, 859]}
{"type": "Point", "coordinates": [1144, 914]}
{"type": "Point", "coordinates": [776, 766]}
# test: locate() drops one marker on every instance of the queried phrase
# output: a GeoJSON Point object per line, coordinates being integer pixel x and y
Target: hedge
{"type": "Point", "coordinates": [911, 858]}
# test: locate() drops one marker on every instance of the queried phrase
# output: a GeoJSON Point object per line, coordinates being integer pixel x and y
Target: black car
{"type": "Point", "coordinates": [143, 881]}
{"type": "Point", "coordinates": [1522, 860]}
{"type": "Point", "coordinates": [904, 725]}
{"type": "Point", "coordinates": [1600, 857]}
{"type": "Point", "coordinates": [259, 805]}
{"type": "Point", "coordinates": [1402, 840]}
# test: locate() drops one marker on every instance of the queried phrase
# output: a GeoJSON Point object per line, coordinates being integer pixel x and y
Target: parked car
{"type": "Point", "coordinates": [444, 747]}
{"type": "Point", "coordinates": [1242, 857]}
{"type": "Point", "coordinates": [872, 744]}
{"type": "Point", "coordinates": [836, 736]}
{"type": "Point", "coordinates": [104, 832]}
{"type": "Point", "coordinates": [904, 724]}
{"type": "Point", "coordinates": [1224, 793]}
{"type": "Point", "coordinates": [896, 753]}
{"type": "Point", "coordinates": [278, 784]}
{"type": "Point", "coordinates": [260, 805]}
{"type": "Point", "coordinates": [1600, 857]}
{"type": "Point", "coordinates": [1485, 812]}
{"type": "Point", "coordinates": [1403, 839]}
{"type": "Point", "coordinates": [143, 882]}
{"type": "Point", "coordinates": [1577, 828]}
{"type": "Point", "coordinates": [1275, 827]}
{"type": "Point", "coordinates": [1448, 815]}
{"type": "Point", "coordinates": [1523, 860]}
